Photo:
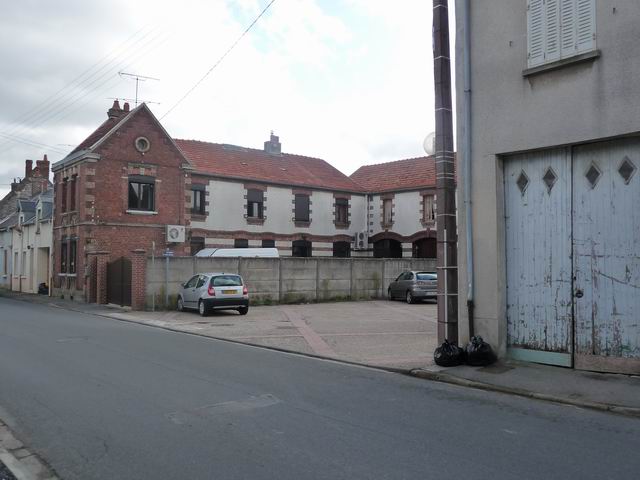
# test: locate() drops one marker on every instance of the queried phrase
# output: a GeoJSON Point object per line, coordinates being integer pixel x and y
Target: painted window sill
{"type": "Point", "coordinates": [583, 57]}
{"type": "Point", "coordinates": [141, 212]}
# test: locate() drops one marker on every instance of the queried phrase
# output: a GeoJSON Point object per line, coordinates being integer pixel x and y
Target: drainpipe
{"type": "Point", "coordinates": [466, 155]}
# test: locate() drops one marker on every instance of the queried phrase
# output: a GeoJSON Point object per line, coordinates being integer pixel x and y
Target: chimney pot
{"type": "Point", "coordinates": [126, 107]}
{"type": "Point", "coordinates": [115, 111]}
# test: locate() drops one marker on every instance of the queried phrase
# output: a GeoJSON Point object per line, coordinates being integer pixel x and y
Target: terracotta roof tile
{"type": "Point", "coordinates": [257, 165]}
{"type": "Point", "coordinates": [412, 173]}
{"type": "Point", "coordinates": [97, 134]}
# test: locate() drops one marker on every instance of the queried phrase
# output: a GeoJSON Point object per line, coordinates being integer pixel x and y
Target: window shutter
{"type": "Point", "coordinates": [552, 33]}
{"type": "Point", "coordinates": [535, 33]}
{"type": "Point", "coordinates": [568, 27]}
{"type": "Point", "coordinates": [586, 26]}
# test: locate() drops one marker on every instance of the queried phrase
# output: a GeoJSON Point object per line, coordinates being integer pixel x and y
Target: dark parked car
{"type": "Point", "coordinates": [414, 286]}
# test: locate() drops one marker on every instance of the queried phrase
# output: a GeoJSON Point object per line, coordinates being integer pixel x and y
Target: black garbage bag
{"type": "Point", "coordinates": [448, 355]}
{"type": "Point", "coordinates": [479, 353]}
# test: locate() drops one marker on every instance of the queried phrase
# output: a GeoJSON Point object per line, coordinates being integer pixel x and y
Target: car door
{"type": "Point", "coordinates": [189, 292]}
{"type": "Point", "coordinates": [396, 284]}
{"type": "Point", "coordinates": [407, 282]}
{"type": "Point", "coordinates": [201, 287]}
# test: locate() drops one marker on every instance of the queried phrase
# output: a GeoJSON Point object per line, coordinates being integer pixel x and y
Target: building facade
{"type": "Point", "coordinates": [555, 148]}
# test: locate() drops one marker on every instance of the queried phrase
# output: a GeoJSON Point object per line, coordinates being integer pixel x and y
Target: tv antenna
{"type": "Point", "coordinates": [131, 100]}
{"type": "Point", "coordinates": [139, 78]}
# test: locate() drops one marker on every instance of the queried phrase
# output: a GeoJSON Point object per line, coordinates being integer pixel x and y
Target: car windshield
{"type": "Point", "coordinates": [226, 281]}
{"type": "Point", "coordinates": [426, 276]}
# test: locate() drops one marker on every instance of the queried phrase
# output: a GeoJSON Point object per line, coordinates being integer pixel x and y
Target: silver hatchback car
{"type": "Point", "coordinates": [414, 286]}
{"type": "Point", "coordinates": [214, 291]}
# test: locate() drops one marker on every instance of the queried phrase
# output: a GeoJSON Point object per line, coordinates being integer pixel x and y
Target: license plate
{"type": "Point", "coordinates": [229, 292]}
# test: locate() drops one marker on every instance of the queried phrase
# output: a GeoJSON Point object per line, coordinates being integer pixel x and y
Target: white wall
{"type": "Point", "coordinates": [227, 213]}
{"type": "Point", "coordinates": [5, 245]}
{"type": "Point", "coordinates": [29, 241]}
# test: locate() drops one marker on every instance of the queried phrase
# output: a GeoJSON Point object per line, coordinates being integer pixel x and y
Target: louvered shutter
{"type": "Point", "coordinates": [535, 33]}
{"type": "Point", "coordinates": [552, 30]}
{"type": "Point", "coordinates": [568, 27]}
{"type": "Point", "coordinates": [586, 25]}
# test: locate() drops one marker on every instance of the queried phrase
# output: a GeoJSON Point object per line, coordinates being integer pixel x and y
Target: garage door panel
{"type": "Point", "coordinates": [538, 244]}
{"type": "Point", "coordinates": [606, 230]}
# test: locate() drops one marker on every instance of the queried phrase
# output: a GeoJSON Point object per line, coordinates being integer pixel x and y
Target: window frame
{"type": "Point", "coordinates": [387, 219]}
{"type": "Point", "coordinates": [141, 181]}
{"type": "Point", "coordinates": [198, 201]}
{"type": "Point", "coordinates": [299, 207]}
{"type": "Point", "coordinates": [428, 206]}
{"type": "Point", "coordinates": [64, 254]}
{"type": "Point", "coordinates": [255, 200]}
{"type": "Point", "coordinates": [342, 211]}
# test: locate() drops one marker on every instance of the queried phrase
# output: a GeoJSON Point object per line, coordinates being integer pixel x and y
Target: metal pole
{"type": "Point", "coordinates": [166, 282]}
{"type": "Point", "coordinates": [153, 264]}
{"type": "Point", "coordinates": [445, 178]}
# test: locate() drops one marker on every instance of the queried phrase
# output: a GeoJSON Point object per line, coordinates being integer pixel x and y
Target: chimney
{"type": "Point", "coordinates": [28, 168]}
{"type": "Point", "coordinates": [126, 107]}
{"type": "Point", "coordinates": [273, 146]}
{"type": "Point", "coordinates": [42, 166]}
{"type": "Point", "coordinates": [14, 185]}
{"type": "Point", "coordinates": [115, 111]}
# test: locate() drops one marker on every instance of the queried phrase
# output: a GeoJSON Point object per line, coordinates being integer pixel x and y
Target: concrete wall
{"type": "Point", "coordinates": [512, 113]}
{"type": "Point", "coordinates": [284, 280]}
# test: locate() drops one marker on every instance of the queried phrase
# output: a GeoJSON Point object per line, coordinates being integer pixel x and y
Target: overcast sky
{"type": "Point", "coordinates": [349, 81]}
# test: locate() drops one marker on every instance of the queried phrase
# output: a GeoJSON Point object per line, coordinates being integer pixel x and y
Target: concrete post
{"type": "Point", "coordinates": [138, 279]}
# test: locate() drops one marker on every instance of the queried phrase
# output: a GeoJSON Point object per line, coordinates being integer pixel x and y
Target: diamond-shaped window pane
{"type": "Point", "coordinates": [549, 179]}
{"type": "Point", "coordinates": [593, 175]}
{"type": "Point", "coordinates": [522, 182]}
{"type": "Point", "coordinates": [627, 169]}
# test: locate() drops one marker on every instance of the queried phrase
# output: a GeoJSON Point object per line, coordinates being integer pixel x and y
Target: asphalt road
{"type": "Point", "coordinates": [103, 399]}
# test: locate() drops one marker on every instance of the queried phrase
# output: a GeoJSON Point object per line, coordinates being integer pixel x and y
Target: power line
{"type": "Point", "coordinates": [32, 143]}
{"type": "Point", "coordinates": [220, 59]}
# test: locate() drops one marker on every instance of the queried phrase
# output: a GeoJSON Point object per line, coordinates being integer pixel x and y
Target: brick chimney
{"type": "Point", "coordinates": [15, 185]}
{"type": "Point", "coordinates": [42, 167]}
{"type": "Point", "coordinates": [115, 111]}
{"type": "Point", "coordinates": [126, 107]}
{"type": "Point", "coordinates": [273, 146]}
{"type": "Point", "coordinates": [28, 168]}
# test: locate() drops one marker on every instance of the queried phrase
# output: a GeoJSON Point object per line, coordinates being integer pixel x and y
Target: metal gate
{"type": "Point", "coordinates": [573, 256]}
{"type": "Point", "coordinates": [119, 282]}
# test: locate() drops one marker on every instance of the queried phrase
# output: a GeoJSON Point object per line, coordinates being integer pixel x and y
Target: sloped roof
{"type": "Point", "coordinates": [257, 165]}
{"type": "Point", "coordinates": [10, 221]}
{"type": "Point", "coordinates": [408, 174]}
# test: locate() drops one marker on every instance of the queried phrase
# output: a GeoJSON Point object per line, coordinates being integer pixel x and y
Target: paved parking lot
{"type": "Point", "coordinates": [379, 332]}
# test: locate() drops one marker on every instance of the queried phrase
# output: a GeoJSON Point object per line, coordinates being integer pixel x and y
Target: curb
{"type": "Point", "coordinates": [22, 462]}
{"type": "Point", "coordinates": [463, 382]}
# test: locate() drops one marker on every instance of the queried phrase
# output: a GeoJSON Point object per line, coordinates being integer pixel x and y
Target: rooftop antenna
{"type": "Point", "coordinates": [131, 100]}
{"type": "Point", "coordinates": [139, 78]}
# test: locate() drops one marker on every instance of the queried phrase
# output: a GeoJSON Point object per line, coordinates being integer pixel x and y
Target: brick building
{"type": "Point", "coordinates": [115, 193]}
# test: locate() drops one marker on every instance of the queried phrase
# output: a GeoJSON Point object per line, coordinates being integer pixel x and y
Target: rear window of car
{"type": "Point", "coordinates": [426, 276]}
{"type": "Point", "coordinates": [226, 281]}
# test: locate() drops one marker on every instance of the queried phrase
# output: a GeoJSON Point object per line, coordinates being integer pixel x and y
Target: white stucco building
{"type": "Point", "coordinates": [554, 138]}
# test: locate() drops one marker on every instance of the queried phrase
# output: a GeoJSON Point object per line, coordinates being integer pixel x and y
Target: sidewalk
{"type": "Point", "coordinates": [360, 332]}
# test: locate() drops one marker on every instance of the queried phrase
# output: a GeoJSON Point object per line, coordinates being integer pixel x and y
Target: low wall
{"type": "Point", "coordinates": [283, 280]}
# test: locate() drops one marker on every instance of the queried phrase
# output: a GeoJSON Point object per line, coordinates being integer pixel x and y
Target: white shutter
{"type": "Point", "coordinates": [568, 27]}
{"type": "Point", "coordinates": [552, 24]}
{"type": "Point", "coordinates": [535, 33]}
{"type": "Point", "coordinates": [586, 25]}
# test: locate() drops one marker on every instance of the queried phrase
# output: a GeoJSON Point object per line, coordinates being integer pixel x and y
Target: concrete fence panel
{"type": "Point", "coordinates": [298, 280]}
{"type": "Point", "coordinates": [334, 279]}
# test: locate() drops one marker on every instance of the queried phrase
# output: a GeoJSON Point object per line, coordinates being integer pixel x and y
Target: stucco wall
{"type": "Point", "coordinates": [6, 245]}
{"type": "Point", "coordinates": [512, 113]}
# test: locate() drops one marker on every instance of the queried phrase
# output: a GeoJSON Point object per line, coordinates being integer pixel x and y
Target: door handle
{"type": "Point", "coordinates": [579, 293]}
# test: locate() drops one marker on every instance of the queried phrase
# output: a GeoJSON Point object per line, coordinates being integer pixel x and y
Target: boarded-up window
{"type": "Point", "coordinates": [558, 29]}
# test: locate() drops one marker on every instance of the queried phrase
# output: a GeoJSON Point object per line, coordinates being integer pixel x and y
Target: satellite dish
{"type": "Point", "coordinates": [429, 143]}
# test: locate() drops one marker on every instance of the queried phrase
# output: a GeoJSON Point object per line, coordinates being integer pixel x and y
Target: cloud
{"type": "Point", "coordinates": [349, 81]}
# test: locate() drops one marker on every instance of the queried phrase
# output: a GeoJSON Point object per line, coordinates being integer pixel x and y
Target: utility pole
{"type": "Point", "coordinates": [447, 238]}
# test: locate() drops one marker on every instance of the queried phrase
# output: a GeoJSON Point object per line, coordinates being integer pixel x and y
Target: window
{"type": "Point", "coordinates": [226, 281]}
{"type": "Point", "coordinates": [342, 210]}
{"type": "Point", "coordinates": [63, 195]}
{"type": "Point", "coordinates": [428, 209]}
{"type": "Point", "coordinates": [5, 259]}
{"type": "Point", "coordinates": [197, 200]}
{"type": "Point", "coordinates": [197, 244]}
{"type": "Point", "coordinates": [255, 203]}
{"type": "Point", "coordinates": [72, 187]}
{"type": "Point", "coordinates": [341, 249]}
{"type": "Point", "coordinates": [63, 254]}
{"type": "Point", "coordinates": [23, 265]}
{"type": "Point", "coordinates": [301, 248]}
{"type": "Point", "coordinates": [141, 193]}
{"type": "Point", "coordinates": [559, 29]}
{"type": "Point", "coordinates": [268, 243]}
{"type": "Point", "coordinates": [387, 211]}
{"type": "Point", "coordinates": [302, 208]}
{"type": "Point", "coordinates": [201, 281]}
{"type": "Point", "coordinates": [192, 282]}
{"type": "Point", "coordinates": [15, 263]}
{"type": "Point", "coordinates": [73, 253]}
{"type": "Point", "coordinates": [241, 243]}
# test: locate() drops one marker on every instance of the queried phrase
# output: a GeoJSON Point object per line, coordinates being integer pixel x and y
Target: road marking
{"type": "Point", "coordinates": [315, 341]}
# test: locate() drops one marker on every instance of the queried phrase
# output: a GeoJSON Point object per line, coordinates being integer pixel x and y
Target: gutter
{"type": "Point", "coordinates": [466, 156]}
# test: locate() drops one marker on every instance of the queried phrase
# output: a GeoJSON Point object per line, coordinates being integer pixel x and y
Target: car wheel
{"type": "Point", "coordinates": [409, 297]}
{"type": "Point", "coordinates": [202, 309]}
{"type": "Point", "coordinates": [180, 304]}
{"type": "Point", "coordinates": [389, 294]}
{"type": "Point", "coordinates": [243, 310]}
